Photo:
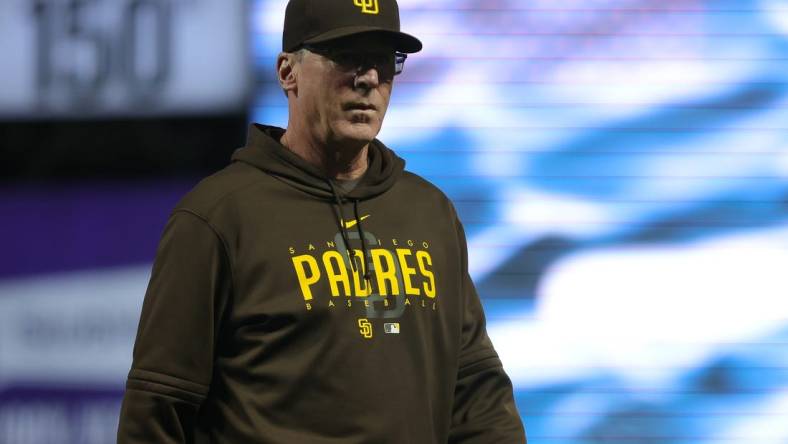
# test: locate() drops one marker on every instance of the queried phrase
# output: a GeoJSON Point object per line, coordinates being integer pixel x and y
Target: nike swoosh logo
{"type": "Point", "coordinates": [352, 223]}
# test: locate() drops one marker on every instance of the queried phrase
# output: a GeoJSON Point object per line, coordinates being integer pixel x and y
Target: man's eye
{"type": "Point", "coordinates": [352, 60]}
{"type": "Point", "coordinates": [383, 59]}
{"type": "Point", "coordinates": [344, 58]}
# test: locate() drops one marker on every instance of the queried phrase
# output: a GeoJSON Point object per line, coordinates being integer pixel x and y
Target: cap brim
{"type": "Point", "coordinates": [402, 42]}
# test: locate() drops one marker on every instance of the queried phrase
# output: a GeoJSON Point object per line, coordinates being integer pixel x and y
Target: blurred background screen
{"type": "Point", "coordinates": [620, 166]}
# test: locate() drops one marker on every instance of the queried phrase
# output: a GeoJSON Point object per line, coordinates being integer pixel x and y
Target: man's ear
{"type": "Point", "coordinates": [286, 72]}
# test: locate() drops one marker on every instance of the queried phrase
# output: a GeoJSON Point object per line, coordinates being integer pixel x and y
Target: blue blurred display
{"type": "Point", "coordinates": [621, 169]}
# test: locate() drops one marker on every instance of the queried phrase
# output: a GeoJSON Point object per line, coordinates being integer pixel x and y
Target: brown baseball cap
{"type": "Point", "coordinates": [316, 21]}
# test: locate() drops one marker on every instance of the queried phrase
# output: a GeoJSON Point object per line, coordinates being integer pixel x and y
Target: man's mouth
{"type": "Point", "coordinates": [359, 106]}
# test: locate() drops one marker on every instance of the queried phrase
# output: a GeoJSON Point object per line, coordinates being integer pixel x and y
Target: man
{"type": "Point", "coordinates": [313, 291]}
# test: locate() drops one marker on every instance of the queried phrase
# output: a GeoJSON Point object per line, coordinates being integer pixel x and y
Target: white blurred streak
{"type": "Point", "coordinates": [761, 426]}
{"type": "Point", "coordinates": [484, 252]}
{"type": "Point", "coordinates": [78, 326]}
{"type": "Point", "coordinates": [782, 161]}
{"type": "Point", "coordinates": [555, 416]}
{"type": "Point", "coordinates": [270, 17]}
{"type": "Point", "coordinates": [555, 214]}
{"type": "Point", "coordinates": [531, 214]}
{"type": "Point", "coordinates": [649, 314]}
{"type": "Point", "coordinates": [776, 13]}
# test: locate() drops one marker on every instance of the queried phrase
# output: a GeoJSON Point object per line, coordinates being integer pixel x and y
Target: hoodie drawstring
{"type": "Point", "coordinates": [340, 215]}
{"type": "Point", "coordinates": [364, 251]}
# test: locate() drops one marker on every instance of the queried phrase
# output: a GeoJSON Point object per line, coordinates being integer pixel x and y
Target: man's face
{"type": "Point", "coordinates": [344, 87]}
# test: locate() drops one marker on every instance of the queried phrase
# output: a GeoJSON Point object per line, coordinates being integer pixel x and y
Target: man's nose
{"type": "Point", "coordinates": [367, 77]}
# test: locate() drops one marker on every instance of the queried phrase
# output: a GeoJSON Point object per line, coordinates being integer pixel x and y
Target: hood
{"type": "Point", "coordinates": [264, 151]}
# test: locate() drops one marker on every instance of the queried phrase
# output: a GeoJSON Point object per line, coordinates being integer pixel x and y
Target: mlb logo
{"type": "Point", "coordinates": [391, 328]}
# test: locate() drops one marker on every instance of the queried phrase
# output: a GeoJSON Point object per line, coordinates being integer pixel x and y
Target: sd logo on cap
{"type": "Point", "coordinates": [367, 6]}
{"type": "Point", "coordinates": [317, 21]}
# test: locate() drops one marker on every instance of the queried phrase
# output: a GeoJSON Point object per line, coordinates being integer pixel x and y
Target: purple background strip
{"type": "Point", "coordinates": [78, 226]}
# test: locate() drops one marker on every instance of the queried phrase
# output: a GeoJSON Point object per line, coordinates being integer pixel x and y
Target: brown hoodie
{"type": "Point", "coordinates": [257, 327]}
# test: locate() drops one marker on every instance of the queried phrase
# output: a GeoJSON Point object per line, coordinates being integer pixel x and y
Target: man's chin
{"type": "Point", "coordinates": [356, 133]}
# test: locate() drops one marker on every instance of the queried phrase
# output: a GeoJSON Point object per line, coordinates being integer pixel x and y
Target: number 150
{"type": "Point", "coordinates": [135, 54]}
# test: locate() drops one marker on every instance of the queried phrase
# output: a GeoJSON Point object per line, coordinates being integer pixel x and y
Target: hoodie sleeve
{"type": "Point", "coordinates": [484, 410]}
{"type": "Point", "coordinates": [174, 349]}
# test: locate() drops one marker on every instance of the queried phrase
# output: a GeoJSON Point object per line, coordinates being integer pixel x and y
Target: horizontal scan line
{"type": "Point", "coordinates": [583, 180]}
{"type": "Point", "coordinates": [657, 439]}
{"type": "Point", "coordinates": [556, 248]}
{"type": "Point", "coordinates": [586, 152]}
{"type": "Point", "coordinates": [553, 413]}
{"type": "Point", "coordinates": [706, 203]}
{"type": "Point", "coordinates": [644, 368]}
{"type": "Point", "coordinates": [405, 80]}
{"type": "Point", "coordinates": [602, 127]}
{"type": "Point", "coordinates": [569, 57]}
{"type": "Point", "coordinates": [561, 105]}
{"type": "Point", "coordinates": [572, 58]}
{"type": "Point", "coordinates": [661, 106]}
{"type": "Point", "coordinates": [616, 176]}
{"type": "Point", "coordinates": [616, 390]}
{"type": "Point", "coordinates": [657, 226]}
{"type": "Point", "coordinates": [530, 10]}
{"type": "Point", "coordinates": [605, 34]}
{"type": "Point", "coordinates": [666, 7]}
